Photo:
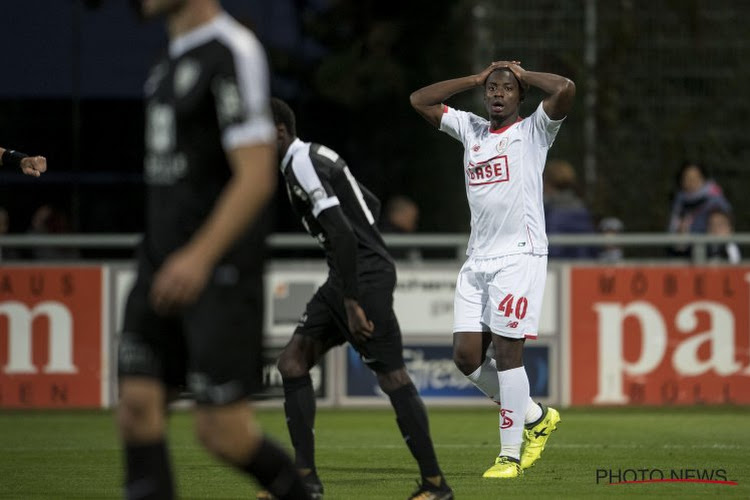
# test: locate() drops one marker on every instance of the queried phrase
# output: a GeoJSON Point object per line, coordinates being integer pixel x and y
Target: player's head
{"type": "Point", "coordinates": [149, 9]}
{"type": "Point", "coordinates": [286, 124]}
{"type": "Point", "coordinates": [503, 94]}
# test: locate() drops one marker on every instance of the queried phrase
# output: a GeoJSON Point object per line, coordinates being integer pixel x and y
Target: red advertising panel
{"type": "Point", "coordinates": [50, 337]}
{"type": "Point", "coordinates": [666, 335]}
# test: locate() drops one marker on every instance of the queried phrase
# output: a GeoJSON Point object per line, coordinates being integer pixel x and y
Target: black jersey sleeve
{"type": "Point", "coordinates": [240, 87]}
{"type": "Point", "coordinates": [343, 244]}
{"type": "Point", "coordinates": [316, 186]}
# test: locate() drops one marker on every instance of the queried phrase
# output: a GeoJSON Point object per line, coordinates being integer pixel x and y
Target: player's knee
{"type": "Point", "coordinates": [292, 364]}
{"type": "Point", "coordinates": [140, 414]}
{"type": "Point", "coordinates": [210, 436]}
{"type": "Point", "coordinates": [227, 437]}
{"type": "Point", "coordinates": [466, 362]}
{"type": "Point", "coordinates": [393, 380]}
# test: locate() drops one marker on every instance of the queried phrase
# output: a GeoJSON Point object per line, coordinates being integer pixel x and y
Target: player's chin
{"type": "Point", "coordinates": [497, 117]}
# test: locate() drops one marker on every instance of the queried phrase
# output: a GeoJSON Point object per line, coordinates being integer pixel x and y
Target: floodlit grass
{"type": "Point", "coordinates": [75, 455]}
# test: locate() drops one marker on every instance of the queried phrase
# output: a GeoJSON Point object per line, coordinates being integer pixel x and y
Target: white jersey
{"type": "Point", "coordinates": [503, 174]}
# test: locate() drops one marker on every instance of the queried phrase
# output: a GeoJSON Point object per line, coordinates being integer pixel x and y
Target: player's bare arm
{"type": "Point", "coordinates": [29, 165]}
{"type": "Point", "coordinates": [428, 101]}
{"type": "Point", "coordinates": [184, 274]}
{"type": "Point", "coordinates": [561, 91]}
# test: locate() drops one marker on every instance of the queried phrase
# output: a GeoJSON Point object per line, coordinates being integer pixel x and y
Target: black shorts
{"type": "Point", "coordinates": [325, 321]}
{"type": "Point", "coordinates": [213, 347]}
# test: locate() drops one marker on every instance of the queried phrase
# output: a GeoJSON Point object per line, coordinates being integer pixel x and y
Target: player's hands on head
{"type": "Point", "coordinates": [360, 327]}
{"type": "Point", "coordinates": [517, 70]}
{"type": "Point", "coordinates": [180, 280]}
{"type": "Point", "coordinates": [34, 165]}
{"type": "Point", "coordinates": [482, 77]}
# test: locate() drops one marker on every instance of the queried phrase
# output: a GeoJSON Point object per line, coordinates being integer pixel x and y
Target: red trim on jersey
{"type": "Point", "coordinates": [445, 108]}
{"type": "Point", "coordinates": [503, 129]}
{"type": "Point", "coordinates": [531, 336]}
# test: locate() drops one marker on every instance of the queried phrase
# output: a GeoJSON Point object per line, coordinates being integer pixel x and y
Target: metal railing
{"type": "Point", "coordinates": [455, 241]}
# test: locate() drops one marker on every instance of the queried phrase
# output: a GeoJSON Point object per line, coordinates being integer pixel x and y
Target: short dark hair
{"type": "Point", "coordinates": [283, 115]}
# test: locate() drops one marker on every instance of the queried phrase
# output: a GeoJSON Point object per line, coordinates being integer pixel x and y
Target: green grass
{"type": "Point", "coordinates": [75, 455]}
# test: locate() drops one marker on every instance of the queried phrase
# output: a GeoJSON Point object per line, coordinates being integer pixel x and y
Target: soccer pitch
{"type": "Point", "coordinates": [360, 454]}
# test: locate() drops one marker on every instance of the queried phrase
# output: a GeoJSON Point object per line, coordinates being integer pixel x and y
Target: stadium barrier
{"type": "Point", "coordinates": [657, 333]}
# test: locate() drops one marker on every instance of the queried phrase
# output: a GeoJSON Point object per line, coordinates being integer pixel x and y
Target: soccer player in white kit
{"type": "Point", "coordinates": [499, 289]}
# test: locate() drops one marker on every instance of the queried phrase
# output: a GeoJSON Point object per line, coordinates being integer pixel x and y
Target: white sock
{"type": "Point", "coordinates": [486, 380]}
{"type": "Point", "coordinates": [514, 394]}
{"type": "Point", "coordinates": [533, 412]}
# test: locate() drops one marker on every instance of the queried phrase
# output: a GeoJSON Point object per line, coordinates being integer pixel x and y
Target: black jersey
{"type": "Point", "coordinates": [317, 178]}
{"type": "Point", "coordinates": [207, 96]}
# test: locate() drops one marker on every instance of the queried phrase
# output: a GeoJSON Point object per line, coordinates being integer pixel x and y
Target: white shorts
{"type": "Point", "coordinates": [502, 295]}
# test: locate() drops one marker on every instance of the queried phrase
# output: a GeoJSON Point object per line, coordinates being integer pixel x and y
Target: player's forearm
{"type": "Point", "coordinates": [549, 83]}
{"type": "Point", "coordinates": [438, 92]}
{"type": "Point", "coordinates": [246, 194]}
{"type": "Point", "coordinates": [561, 92]}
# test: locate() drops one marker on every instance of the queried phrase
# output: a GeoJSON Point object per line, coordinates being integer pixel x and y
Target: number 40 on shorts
{"type": "Point", "coordinates": [506, 306]}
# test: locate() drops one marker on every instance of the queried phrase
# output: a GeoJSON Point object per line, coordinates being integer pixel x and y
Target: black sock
{"type": "Point", "coordinates": [148, 475]}
{"type": "Point", "coordinates": [411, 416]}
{"type": "Point", "coordinates": [299, 405]}
{"type": "Point", "coordinates": [275, 471]}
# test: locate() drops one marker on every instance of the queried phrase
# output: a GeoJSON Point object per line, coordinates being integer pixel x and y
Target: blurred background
{"type": "Point", "coordinates": [648, 283]}
{"type": "Point", "coordinates": [658, 82]}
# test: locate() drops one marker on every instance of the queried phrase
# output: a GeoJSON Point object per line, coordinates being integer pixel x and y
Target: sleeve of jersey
{"type": "Point", "coordinates": [454, 123]}
{"type": "Point", "coordinates": [319, 192]}
{"type": "Point", "coordinates": [543, 128]}
{"type": "Point", "coordinates": [241, 95]}
{"type": "Point", "coordinates": [344, 247]}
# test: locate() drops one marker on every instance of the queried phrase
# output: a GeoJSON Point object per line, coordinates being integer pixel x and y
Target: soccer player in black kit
{"type": "Point", "coordinates": [194, 314]}
{"type": "Point", "coordinates": [354, 305]}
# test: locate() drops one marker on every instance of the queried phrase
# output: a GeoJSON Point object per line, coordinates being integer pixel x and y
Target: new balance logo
{"type": "Point", "coordinates": [512, 324]}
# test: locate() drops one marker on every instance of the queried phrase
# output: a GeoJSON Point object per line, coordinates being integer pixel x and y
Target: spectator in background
{"type": "Point", "coordinates": [720, 224]}
{"type": "Point", "coordinates": [611, 226]}
{"type": "Point", "coordinates": [696, 198]}
{"type": "Point", "coordinates": [402, 217]}
{"type": "Point", "coordinates": [564, 210]}
{"type": "Point", "coordinates": [51, 220]}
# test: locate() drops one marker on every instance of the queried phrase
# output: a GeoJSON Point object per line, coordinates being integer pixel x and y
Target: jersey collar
{"type": "Point", "coordinates": [295, 146]}
{"type": "Point", "coordinates": [503, 129]}
{"type": "Point", "coordinates": [198, 35]}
